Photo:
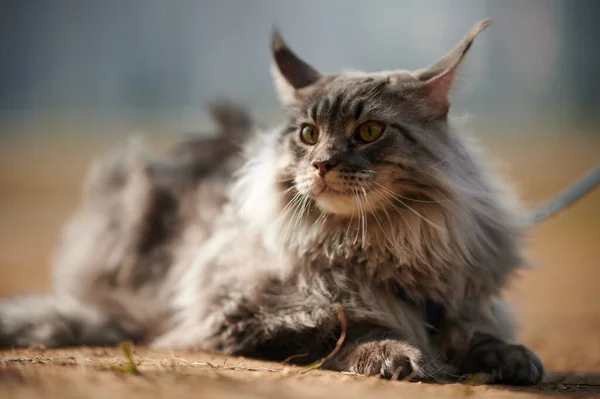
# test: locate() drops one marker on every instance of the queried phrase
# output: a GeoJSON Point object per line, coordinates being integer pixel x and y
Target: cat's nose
{"type": "Point", "coordinates": [323, 167]}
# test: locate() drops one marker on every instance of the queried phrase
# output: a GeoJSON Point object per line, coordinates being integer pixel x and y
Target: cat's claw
{"type": "Point", "coordinates": [384, 358]}
{"type": "Point", "coordinates": [391, 359]}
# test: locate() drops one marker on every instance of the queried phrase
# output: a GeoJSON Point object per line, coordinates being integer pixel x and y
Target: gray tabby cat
{"type": "Point", "coordinates": [366, 198]}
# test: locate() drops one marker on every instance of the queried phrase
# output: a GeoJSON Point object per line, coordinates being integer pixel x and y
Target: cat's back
{"type": "Point", "coordinates": [140, 211]}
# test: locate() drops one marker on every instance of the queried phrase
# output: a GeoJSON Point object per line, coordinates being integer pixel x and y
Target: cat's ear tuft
{"type": "Point", "coordinates": [438, 78]}
{"type": "Point", "coordinates": [289, 71]}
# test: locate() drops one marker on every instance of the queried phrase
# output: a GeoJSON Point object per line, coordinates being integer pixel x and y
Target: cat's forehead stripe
{"type": "Point", "coordinates": [358, 109]}
{"type": "Point", "coordinates": [348, 98]}
{"type": "Point", "coordinates": [312, 111]}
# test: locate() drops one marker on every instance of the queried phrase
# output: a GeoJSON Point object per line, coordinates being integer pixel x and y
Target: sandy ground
{"type": "Point", "coordinates": [105, 373]}
{"type": "Point", "coordinates": [557, 303]}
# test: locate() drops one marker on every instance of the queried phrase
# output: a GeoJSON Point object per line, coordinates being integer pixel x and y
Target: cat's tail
{"type": "Point", "coordinates": [55, 320]}
{"type": "Point", "coordinates": [566, 197]}
{"type": "Point", "coordinates": [234, 125]}
{"type": "Point", "coordinates": [234, 120]}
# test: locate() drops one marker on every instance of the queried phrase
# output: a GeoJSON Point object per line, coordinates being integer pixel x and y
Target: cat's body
{"type": "Point", "coordinates": [366, 199]}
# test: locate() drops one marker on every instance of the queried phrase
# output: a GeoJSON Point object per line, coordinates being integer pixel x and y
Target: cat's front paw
{"type": "Point", "coordinates": [505, 363]}
{"type": "Point", "coordinates": [386, 358]}
{"type": "Point", "coordinates": [390, 359]}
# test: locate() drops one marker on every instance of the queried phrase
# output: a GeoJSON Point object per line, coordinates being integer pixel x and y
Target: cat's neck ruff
{"type": "Point", "coordinates": [472, 240]}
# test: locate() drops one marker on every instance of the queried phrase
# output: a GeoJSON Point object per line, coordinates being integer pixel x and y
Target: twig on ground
{"type": "Point", "coordinates": [290, 358]}
{"type": "Point", "coordinates": [338, 345]}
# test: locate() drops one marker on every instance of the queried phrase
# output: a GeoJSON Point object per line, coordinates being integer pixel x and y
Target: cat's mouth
{"type": "Point", "coordinates": [324, 188]}
{"type": "Point", "coordinates": [329, 189]}
{"type": "Point", "coordinates": [336, 200]}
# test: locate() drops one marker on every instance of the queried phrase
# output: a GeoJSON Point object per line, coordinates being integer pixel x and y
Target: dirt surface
{"type": "Point", "coordinates": [557, 303]}
{"type": "Point", "coordinates": [106, 373]}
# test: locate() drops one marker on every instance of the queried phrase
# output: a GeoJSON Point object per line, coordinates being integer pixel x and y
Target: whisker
{"type": "Point", "coordinates": [289, 189]}
{"type": "Point", "coordinates": [290, 203]}
{"type": "Point", "coordinates": [322, 218]}
{"type": "Point", "coordinates": [293, 204]}
{"type": "Point", "coordinates": [466, 192]}
{"type": "Point", "coordinates": [396, 245]}
{"type": "Point", "coordinates": [286, 180]}
{"type": "Point", "coordinates": [304, 207]}
{"type": "Point", "coordinates": [349, 225]}
{"type": "Point", "coordinates": [418, 214]}
{"type": "Point", "coordinates": [365, 221]}
{"type": "Point", "coordinates": [363, 217]}
{"type": "Point", "coordinates": [378, 221]}
{"type": "Point", "coordinates": [396, 195]}
{"type": "Point", "coordinates": [386, 198]}
{"type": "Point", "coordinates": [357, 221]}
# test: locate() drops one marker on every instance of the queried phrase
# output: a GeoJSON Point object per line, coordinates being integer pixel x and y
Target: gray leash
{"type": "Point", "coordinates": [566, 197]}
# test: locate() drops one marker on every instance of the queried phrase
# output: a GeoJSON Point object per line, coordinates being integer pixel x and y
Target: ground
{"type": "Point", "coordinates": [557, 302]}
{"type": "Point", "coordinates": [103, 373]}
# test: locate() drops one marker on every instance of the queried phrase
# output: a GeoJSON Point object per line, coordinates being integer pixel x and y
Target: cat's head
{"type": "Point", "coordinates": [357, 142]}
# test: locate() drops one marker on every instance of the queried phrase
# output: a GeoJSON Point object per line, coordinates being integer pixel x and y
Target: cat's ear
{"type": "Point", "coordinates": [438, 78]}
{"type": "Point", "coordinates": [290, 73]}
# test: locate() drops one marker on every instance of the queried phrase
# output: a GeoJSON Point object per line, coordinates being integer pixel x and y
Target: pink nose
{"type": "Point", "coordinates": [323, 167]}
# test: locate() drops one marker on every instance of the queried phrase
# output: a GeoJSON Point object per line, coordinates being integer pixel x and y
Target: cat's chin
{"type": "Point", "coordinates": [338, 204]}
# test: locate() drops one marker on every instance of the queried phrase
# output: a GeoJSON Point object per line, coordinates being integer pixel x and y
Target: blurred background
{"type": "Point", "coordinates": [80, 76]}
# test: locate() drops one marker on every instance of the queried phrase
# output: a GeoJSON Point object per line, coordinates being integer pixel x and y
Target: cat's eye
{"type": "Point", "coordinates": [369, 131]}
{"type": "Point", "coordinates": [309, 134]}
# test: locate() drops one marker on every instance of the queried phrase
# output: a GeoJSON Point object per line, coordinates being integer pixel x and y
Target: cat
{"type": "Point", "coordinates": [366, 216]}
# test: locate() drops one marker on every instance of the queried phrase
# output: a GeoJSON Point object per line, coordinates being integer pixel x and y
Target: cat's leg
{"type": "Point", "coordinates": [282, 318]}
{"type": "Point", "coordinates": [58, 321]}
{"type": "Point", "coordinates": [374, 350]}
{"type": "Point", "coordinates": [313, 330]}
{"type": "Point", "coordinates": [490, 346]}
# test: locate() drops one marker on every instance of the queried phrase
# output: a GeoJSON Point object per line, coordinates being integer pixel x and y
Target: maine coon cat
{"type": "Point", "coordinates": [366, 198]}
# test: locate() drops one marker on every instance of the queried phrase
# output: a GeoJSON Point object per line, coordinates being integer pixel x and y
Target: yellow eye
{"type": "Point", "coordinates": [370, 131]}
{"type": "Point", "coordinates": [309, 134]}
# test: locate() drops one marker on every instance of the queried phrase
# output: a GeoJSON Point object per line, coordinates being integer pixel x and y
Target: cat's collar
{"type": "Point", "coordinates": [434, 312]}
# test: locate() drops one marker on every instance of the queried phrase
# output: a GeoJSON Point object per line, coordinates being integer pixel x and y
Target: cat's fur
{"type": "Point", "coordinates": [162, 253]}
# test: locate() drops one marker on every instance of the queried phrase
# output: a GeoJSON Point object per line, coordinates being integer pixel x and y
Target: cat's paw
{"type": "Point", "coordinates": [386, 358]}
{"type": "Point", "coordinates": [504, 363]}
{"type": "Point", "coordinates": [391, 359]}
